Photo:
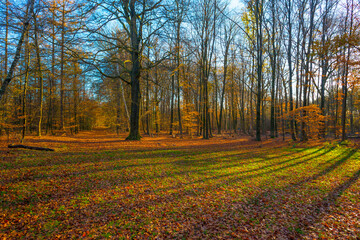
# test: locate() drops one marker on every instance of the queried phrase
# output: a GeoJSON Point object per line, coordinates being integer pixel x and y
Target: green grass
{"type": "Point", "coordinates": [263, 192]}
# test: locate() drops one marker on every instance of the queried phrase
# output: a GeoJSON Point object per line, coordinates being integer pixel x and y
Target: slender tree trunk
{"type": "Point", "coordinates": [242, 109]}
{"type": "Point", "coordinates": [347, 55]}
{"type": "Point", "coordinates": [24, 101]}
{"type": "Point", "coordinates": [177, 73]}
{"type": "Point", "coordinates": [76, 101]}
{"type": "Point", "coordinates": [62, 63]}
{"type": "Point", "coordinates": [352, 130]}
{"type": "Point", "coordinates": [223, 86]}
{"type": "Point", "coordinates": [157, 118]}
{"type": "Point", "coordinates": [41, 81]}
{"type": "Point", "coordinates": [26, 25]}
{"type": "Point", "coordinates": [172, 104]}
{"type": "Point", "coordinates": [336, 108]}
{"type": "Point", "coordinates": [259, 43]}
{"type": "Point", "coordinates": [273, 59]}
{"type": "Point", "coordinates": [289, 52]}
{"type": "Point", "coordinates": [147, 104]}
{"type": "Point", "coordinates": [324, 64]}
{"type": "Point", "coordinates": [6, 36]}
{"type": "Point", "coordinates": [51, 111]}
{"type": "Point", "coordinates": [307, 67]}
{"type": "Point", "coordinates": [118, 106]}
{"type": "Point", "coordinates": [216, 96]}
{"type": "Point", "coordinates": [344, 104]}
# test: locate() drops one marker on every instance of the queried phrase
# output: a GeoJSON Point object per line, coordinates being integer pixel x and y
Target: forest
{"type": "Point", "coordinates": [198, 68]}
{"type": "Point", "coordinates": [179, 119]}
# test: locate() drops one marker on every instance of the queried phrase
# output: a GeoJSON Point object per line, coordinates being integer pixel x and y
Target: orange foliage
{"type": "Point", "coordinates": [312, 116]}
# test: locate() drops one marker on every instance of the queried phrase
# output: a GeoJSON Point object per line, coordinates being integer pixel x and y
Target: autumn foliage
{"type": "Point", "coordinates": [312, 117]}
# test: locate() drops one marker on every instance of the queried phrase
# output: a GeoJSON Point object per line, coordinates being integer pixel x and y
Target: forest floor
{"type": "Point", "coordinates": [95, 186]}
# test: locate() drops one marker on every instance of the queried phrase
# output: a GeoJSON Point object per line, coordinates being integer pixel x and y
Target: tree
{"type": "Point", "coordinates": [229, 33]}
{"type": "Point", "coordinates": [289, 7]}
{"type": "Point", "coordinates": [131, 16]}
{"type": "Point", "coordinates": [307, 70]}
{"type": "Point", "coordinates": [258, 12]}
{"type": "Point", "coordinates": [349, 19]}
{"type": "Point", "coordinates": [25, 29]}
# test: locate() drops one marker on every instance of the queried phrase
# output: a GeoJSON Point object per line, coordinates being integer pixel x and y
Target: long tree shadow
{"type": "Point", "coordinates": [162, 195]}
{"type": "Point", "coordinates": [116, 160]}
{"type": "Point", "coordinates": [328, 169]}
{"type": "Point", "coordinates": [56, 159]}
{"type": "Point", "coordinates": [273, 204]}
{"type": "Point", "coordinates": [120, 161]}
{"type": "Point", "coordinates": [318, 209]}
{"type": "Point", "coordinates": [234, 177]}
{"type": "Point", "coordinates": [230, 163]}
{"type": "Point", "coordinates": [62, 158]}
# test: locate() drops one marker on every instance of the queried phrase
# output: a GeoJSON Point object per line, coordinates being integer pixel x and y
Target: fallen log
{"type": "Point", "coordinates": [30, 147]}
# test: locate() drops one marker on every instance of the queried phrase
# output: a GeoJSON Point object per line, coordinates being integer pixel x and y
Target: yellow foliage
{"type": "Point", "coordinates": [190, 117]}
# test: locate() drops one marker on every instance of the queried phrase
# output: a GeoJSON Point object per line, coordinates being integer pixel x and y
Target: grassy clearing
{"type": "Point", "coordinates": [238, 192]}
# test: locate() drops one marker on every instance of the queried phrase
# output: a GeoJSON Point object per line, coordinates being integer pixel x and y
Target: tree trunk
{"type": "Point", "coordinates": [259, 43]}
{"type": "Point", "coordinates": [41, 82]}
{"type": "Point", "coordinates": [346, 71]}
{"type": "Point", "coordinates": [62, 63]}
{"type": "Point", "coordinates": [51, 78]}
{"type": "Point", "coordinates": [177, 73]}
{"type": "Point", "coordinates": [118, 106]}
{"type": "Point", "coordinates": [307, 67]}
{"type": "Point", "coordinates": [172, 104]}
{"type": "Point", "coordinates": [135, 75]}
{"type": "Point", "coordinates": [292, 130]}
{"type": "Point", "coordinates": [223, 86]}
{"type": "Point", "coordinates": [26, 25]}
{"type": "Point", "coordinates": [273, 59]}
{"type": "Point", "coordinates": [24, 101]}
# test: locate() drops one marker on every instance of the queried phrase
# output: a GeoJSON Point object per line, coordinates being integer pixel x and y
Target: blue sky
{"type": "Point", "coordinates": [235, 4]}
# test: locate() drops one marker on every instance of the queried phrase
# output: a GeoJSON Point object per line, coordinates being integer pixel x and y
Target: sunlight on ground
{"type": "Point", "coordinates": [97, 186]}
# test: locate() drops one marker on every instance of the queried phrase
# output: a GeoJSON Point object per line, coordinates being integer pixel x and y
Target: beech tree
{"type": "Point", "coordinates": [131, 16]}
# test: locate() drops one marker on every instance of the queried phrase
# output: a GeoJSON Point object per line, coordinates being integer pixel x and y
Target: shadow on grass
{"type": "Point", "coordinates": [41, 159]}
{"type": "Point", "coordinates": [234, 177]}
{"type": "Point", "coordinates": [274, 204]}
{"type": "Point", "coordinates": [93, 185]}
{"type": "Point", "coordinates": [118, 158]}
{"type": "Point", "coordinates": [328, 169]}
{"type": "Point", "coordinates": [189, 165]}
{"type": "Point", "coordinates": [231, 178]}
{"type": "Point", "coordinates": [320, 208]}
{"type": "Point", "coordinates": [51, 159]}
{"type": "Point", "coordinates": [160, 196]}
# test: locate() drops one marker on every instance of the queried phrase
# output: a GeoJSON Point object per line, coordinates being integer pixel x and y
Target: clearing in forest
{"type": "Point", "coordinates": [97, 186]}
